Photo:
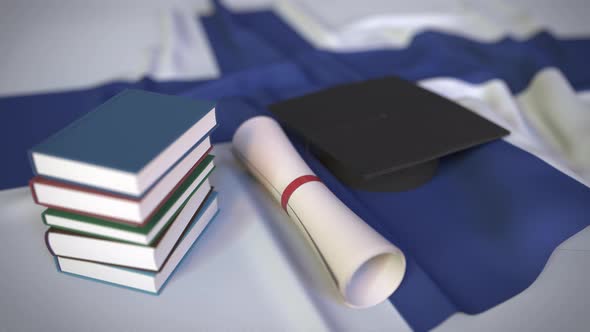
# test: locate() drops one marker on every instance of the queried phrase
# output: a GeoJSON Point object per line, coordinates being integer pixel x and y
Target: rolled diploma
{"type": "Point", "coordinates": [366, 267]}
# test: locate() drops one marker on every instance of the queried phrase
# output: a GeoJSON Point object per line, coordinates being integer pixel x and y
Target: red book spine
{"type": "Point", "coordinates": [50, 182]}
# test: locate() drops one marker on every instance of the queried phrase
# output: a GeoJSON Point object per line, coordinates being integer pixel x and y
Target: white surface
{"type": "Point", "coordinates": [261, 273]}
{"type": "Point", "coordinates": [251, 269]}
{"type": "Point", "coordinates": [68, 44]}
{"type": "Point", "coordinates": [365, 266]}
{"type": "Point", "coordinates": [127, 254]}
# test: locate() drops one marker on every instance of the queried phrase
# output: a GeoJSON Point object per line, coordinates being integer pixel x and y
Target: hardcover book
{"type": "Point", "coordinates": [145, 257]}
{"type": "Point", "coordinates": [126, 144]}
{"type": "Point", "coordinates": [148, 281]}
{"type": "Point", "coordinates": [114, 207]}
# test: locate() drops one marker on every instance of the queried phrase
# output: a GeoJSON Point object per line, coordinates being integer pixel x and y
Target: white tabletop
{"type": "Point", "coordinates": [250, 270]}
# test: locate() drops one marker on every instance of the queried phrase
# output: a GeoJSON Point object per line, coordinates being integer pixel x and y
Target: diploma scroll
{"type": "Point", "coordinates": [366, 267]}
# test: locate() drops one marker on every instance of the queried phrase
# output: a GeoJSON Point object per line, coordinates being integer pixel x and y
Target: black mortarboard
{"type": "Point", "coordinates": [384, 134]}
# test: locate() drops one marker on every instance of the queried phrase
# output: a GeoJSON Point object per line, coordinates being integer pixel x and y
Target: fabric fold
{"type": "Point", "coordinates": [480, 232]}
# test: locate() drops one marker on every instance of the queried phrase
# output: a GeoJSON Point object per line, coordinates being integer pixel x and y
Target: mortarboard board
{"type": "Point", "coordinates": [384, 134]}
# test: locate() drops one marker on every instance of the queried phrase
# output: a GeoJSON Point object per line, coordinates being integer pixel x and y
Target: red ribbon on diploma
{"type": "Point", "coordinates": [298, 182]}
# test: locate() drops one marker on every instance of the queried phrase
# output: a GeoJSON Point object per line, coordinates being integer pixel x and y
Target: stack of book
{"type": "Point", "coordinates": [127, 188]}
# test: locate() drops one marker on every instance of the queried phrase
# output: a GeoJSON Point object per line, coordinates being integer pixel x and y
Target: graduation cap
{"type": "Point", "coordinates": [385, 134]}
